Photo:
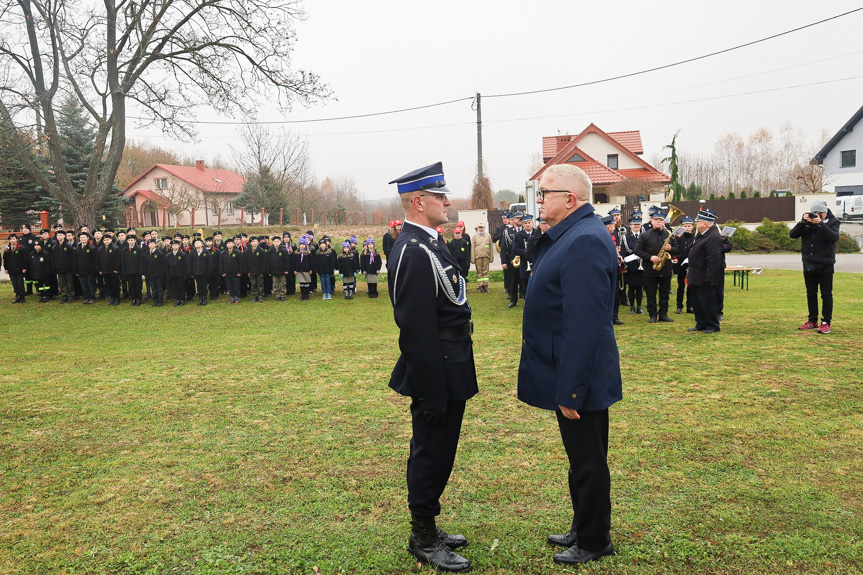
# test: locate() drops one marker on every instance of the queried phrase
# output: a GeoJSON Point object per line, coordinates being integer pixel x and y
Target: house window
{"type": "Point", "coordinates": [612, 161]}
{"type": "Point", "coordinates": [849, 158]}
{"type": "Point", "coordinates": [575, 158]}
{"type": "Point", "coordinates": [161, 183]}
{"type": "Point", "coordinates": [215, 209]}
{"type": "Point", "coordinates": [230, 208]}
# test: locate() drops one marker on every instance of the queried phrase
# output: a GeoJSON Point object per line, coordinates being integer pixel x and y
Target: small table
{"type": "Point", "coordinates": [743, 272]}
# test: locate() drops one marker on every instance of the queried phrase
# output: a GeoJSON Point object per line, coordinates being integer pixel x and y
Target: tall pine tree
{"type": "Point", "coordinates": [19, 193]}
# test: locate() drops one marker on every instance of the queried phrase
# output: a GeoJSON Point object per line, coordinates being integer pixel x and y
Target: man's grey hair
{"type": "Point", "coordinates": [574, 178]}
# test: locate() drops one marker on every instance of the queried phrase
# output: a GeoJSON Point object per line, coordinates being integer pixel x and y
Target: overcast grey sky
{"type": "Point", "coordinates": [380, 55]}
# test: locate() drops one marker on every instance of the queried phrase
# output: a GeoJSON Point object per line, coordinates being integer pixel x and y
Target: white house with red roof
{"type": "Point", "coordinates": [612, 161]}
{"type": "Point", "coordinates": [176, 196]}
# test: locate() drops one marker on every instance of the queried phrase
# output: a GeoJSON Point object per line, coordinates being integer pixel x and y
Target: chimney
{"type": "Point", "coordinates": [199, 164]}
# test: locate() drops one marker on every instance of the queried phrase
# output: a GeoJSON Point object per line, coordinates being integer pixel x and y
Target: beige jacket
{"type": "Point", "coordinates": [481, 246]}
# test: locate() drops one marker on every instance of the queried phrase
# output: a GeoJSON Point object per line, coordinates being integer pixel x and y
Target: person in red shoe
{"type": "Point", "coordinates": [818, 232]}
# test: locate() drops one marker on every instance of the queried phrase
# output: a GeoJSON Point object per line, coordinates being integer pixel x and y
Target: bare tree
{"type": "Point", "coordinates": [166, 56]}
{"type": "Point", "coordinates": [182, 197]}
{"type": "Point", "coordinates": [284, 154]}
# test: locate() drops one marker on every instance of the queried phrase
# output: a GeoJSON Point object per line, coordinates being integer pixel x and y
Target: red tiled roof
{"type": "Point", "coordinates": [599, 173]}
{"type": "Point", "coordinates": [631, 140]}
{"type": "Point", "coordinates": [551, 145]}
{"type": "Point", "coordinates": [152, 196]}
{"type": "Point", "coordinates": [206, 180]}
{"type": "Point", "coordinates": [645, 175]}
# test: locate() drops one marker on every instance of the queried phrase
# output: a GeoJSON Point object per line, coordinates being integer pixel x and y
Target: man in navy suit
{"type": "Point", "coordinates": [436, 367]}
{"type": "Point", "coordinates": [569, 358]}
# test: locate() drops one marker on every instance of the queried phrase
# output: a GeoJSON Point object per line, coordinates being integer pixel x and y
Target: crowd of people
{"type": "Point", "coordinates": [67, 265]}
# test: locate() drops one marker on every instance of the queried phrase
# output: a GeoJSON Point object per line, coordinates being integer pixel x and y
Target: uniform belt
{"type": "Point", "coordinates": [454, 332]}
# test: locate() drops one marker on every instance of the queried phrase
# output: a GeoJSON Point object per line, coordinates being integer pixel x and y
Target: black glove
{"type": "Point", "coordinates": [436, 415]}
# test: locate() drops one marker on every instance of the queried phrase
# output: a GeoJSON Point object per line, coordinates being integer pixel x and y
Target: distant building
{"type": "Point", "coordinates": [176, 196]}
{"type": "Point", "coordinates": [842, 174]}
{"type": "Point", "coordinates": [612, 162]}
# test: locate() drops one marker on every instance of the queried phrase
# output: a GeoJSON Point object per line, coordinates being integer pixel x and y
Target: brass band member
{"type": "Point", "coordinates": [655, 247]}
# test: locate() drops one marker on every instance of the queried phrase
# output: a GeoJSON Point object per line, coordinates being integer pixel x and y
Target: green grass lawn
{"type": "Point", "coordinates": [264, 439]}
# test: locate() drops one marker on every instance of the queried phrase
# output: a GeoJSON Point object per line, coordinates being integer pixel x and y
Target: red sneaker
{"type": "Point", "coordinates": [823, 328]}
{"type": "Point", "coordinates": [808, 325]}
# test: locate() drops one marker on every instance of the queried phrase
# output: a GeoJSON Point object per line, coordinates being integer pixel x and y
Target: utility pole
{"type": "Point", "coordinates": [478, 137]}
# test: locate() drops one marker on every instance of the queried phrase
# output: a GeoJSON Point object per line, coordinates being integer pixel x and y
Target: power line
{"type": "Point", "coordinates": [467, 98]}
{"type": "Point", "coordinates": [679, 63]}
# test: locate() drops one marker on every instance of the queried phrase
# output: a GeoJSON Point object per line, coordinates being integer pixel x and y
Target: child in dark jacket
{"type": "Point", "coordinates": [15, 261]}
{"type": "Point", "coordinates": [325, 264]}
{"type": "Point", "coordinates": [302, 266]}
{"type": "Point", "coordinates": [370, 264]}
{"type": "Point", "coordinates": [109, 268]}
{"type": "Point", "coordinates": [347, 266]}
{"type": "Point", "coordinates": [41, 270]}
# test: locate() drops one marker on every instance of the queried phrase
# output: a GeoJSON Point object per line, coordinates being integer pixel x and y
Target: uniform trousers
{"type": "Point", "coordinates": [233, 283]}
{"type": "Point", "coordinates": [821, 278]}
{"type": "Point", "coordinates": [256, 285]}
{"type": "Point", "coordinates": [215, 285]}
{"type": "Point", "coordinates": [522, 285]}
{"type": "Point", "coordinates": [432, 454]}
{"type": "Point", "coordinates": [157, 289]}
{"type": "Point", "coordinates": [178, 288]}
{"type": "Point", "coordinates": [510, 282]}
{"type": "Point", "coordinates": [202, 284]}
{"type": "Point", "coordinates": [279, 281]}
{"type": "Point", "coordinates": [136, 286]}
{"type": "Point", "coordinates": [662, 284]}
{"type": "Point", "coordinates": [704, 307]}
{"type": "Point", "coordinates": [482, 265]}
{"type": "Point", "coordinates": [586, 444]}
{"type": "Point", "coordinates": [88, 286]}
{"type": "Point", "coordinates": [66, 285]}
{"type": "Point", "coordinates": [100, 284]}
{"type": "Point", "coordinates": [112, 285]}
{"type": "Point", "coordinates": [719, 289]}
{"type": "Point", "coordinates": [683, 290]}
{"type": "Point", "coordinates": [18, 284]}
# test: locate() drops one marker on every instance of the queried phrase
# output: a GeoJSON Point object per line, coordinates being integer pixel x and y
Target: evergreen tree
{"type": "Point", "coordinates": [19, 193]}
{"type": "Point", "coordinates": [262, 191]}
{"type": "Point", "coordinates": [675, 187]}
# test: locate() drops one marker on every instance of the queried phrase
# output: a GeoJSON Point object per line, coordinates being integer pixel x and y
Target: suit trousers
{"type": "Point", "coordinates": [822, 278]}
{"type": "Point", "coordinates": [431, 459]}
{"type": "Point", "coordinates": [178, 288]}
{"type": "Point", "coordinates": [112, 285]}
{"type": "Point", "coordinates": [157, 289]}
{"type": "Point", "coordinates": [704, 307]}
{"type": "Point", "coordinates": [202, 284]}
{"type": "Point", "coordinates": [17, 284]}
{"type": "Point", "coordinates": [233, 283]}
{"type": "Point", "coordinates": [652, 284]}
{"type": "Point", "coordinates": [136, 286]}
{"type": "Point", "coordinates": [88, 285]}
{"type": "Point", "coordinates": [510, 282]}
{"type": "Point", "coordinates": [586, 444]}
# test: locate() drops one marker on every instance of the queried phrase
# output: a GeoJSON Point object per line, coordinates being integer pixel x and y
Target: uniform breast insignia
{"type": "Point", "coordinates": [454, 279]}
{"type": "Point", "coordinates": [413, 240]}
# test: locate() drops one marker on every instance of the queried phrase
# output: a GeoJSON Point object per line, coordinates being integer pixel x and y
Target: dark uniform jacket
{"type": "Point", "coordinates": [15, 261]}
{"type": "Point", "coordinates": [156, 264]}
{"type": "Point", "coordinates": [280, 261]}
{"type": "Point", "coordinates": [431, 370]}
{"type": "Point", "coordinates": [705, 259]}
{"type": "Point", "coordinates": [520, 248]}
{"type": "Point", "coordinates": [63, 258]}
{"type": "Point", "coordinates": [201, 265]}
{"type": "Point", "coordinates": [347, 264]}
{"type": "Point", "coordinates": [649, 244]}
{"type": "Point", "coordinates": [109, 259]}
{"type": "Point", "coordinates": [131, 261]}
{"type": "Point", "coordinates": [507, 242]}
{"type": "Point", "coordinates": [256, 261]}
{"type": "Point", "coordinates": [86, 259]}
{"type": "Point", "coordinates": [684, 244]}
{"type": "Point", "coordinates": [818, 245]}
{"type": "Point", "coordinates": [302, 262]}
{"type": "Point", "coordinates": [178, 264]}
{"type": "Point", "coordinates": [569, 357]}
{"type": "Point", "coordinates": [231, 262]}
{"type": "Point", "coordinates": [460, 249]}
{"type": "Point", "coordinates": [40, 264]}
{"type": "Point", "coordinates": [369, 267]}
{"type": "Point", "coordinates": [387, 243]}
{"type": "Point", "coordinates": [26, 241]}
{"type": "Point", "coordinates": [325, 261]}
{"type": "Point", "coordinates": [627, 248]}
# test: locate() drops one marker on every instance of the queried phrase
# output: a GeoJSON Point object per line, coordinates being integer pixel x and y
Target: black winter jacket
{"type": "Point", "coordinates": [818, 246]}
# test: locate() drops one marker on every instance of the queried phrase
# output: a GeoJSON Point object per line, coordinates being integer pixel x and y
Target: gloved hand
{"type": "Point", "coordinates": [436, 415]}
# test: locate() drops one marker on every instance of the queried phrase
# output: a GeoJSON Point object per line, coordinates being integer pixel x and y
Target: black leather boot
{"type": "Point", "coordinates": [451, 541]}
{"type": "Point", "coordinates": [567, 539]}
{"type": "Point", "coordinates": [429, 548]}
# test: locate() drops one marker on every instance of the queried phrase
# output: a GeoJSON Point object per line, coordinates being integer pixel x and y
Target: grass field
{"type": "Point", "coordinates": [263, 439]}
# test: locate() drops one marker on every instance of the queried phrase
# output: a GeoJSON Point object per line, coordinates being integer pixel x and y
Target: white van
{"type": "Point", "coordinates": [848, 207]}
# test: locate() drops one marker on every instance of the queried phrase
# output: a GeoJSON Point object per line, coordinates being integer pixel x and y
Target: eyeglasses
{"type": "Point", "coordinates": [540, 194]}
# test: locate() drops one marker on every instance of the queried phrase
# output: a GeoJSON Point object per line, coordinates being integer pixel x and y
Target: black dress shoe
{"type": "Point", "coordinates": [616, 321]}
{"type": "Point", "coordinates": [639, 311]}
{"type": "Point", "coordinates": [679, 309]}
{"type": "Point", "coordinates": [576, 554]}
{"type": "Point", "coordinates": [694, 329]}
{"type": "Point", "coordinates": [451, 541]}
{"type": "Point", "coordinates": [563, 540]}
{"type": "Point", "coordinates": [665, 319]}
{"type": "Point", "coordinates": [511, 304]}
{"type": "Point", "coordinates": [721, 317]}
{"type": "Point", "coordinates": [711, 330]}
{"type": "Point", "coordinates": [652, 320]}
{"type": "Point", "coordinates": [632, 309]}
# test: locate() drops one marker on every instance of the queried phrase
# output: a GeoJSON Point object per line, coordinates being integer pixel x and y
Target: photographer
{"type": "Point", "coordinates": [819, 232]}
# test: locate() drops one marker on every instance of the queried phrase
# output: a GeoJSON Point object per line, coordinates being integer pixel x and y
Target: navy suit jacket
{"type": "Point", "coordinates": [569, 354]}
{"type": "Point", "coordinates": [430, 369]}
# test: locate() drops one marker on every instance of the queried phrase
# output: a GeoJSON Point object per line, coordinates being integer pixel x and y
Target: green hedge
{"type": "Point", "coordinates": [773, 236]}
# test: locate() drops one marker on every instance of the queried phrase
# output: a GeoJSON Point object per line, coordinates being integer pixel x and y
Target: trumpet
{"type": "Point", "coordinates": [516, 262]}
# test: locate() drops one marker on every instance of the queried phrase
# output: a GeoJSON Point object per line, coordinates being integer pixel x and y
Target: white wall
{"type": "Point", "coordinates": [599, 148]}
{"type": "Point", "coordinates": [837, 176]}
{"type": "Point", "coordinates": [803, 202]}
